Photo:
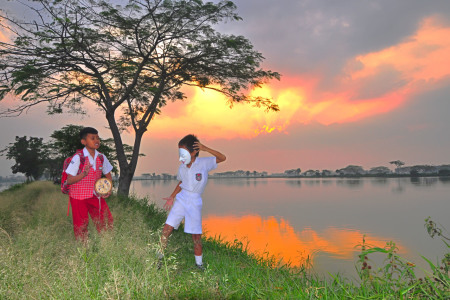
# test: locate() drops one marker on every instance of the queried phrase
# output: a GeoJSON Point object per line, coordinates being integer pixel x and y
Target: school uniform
{"type": "Point", "coordinates": [188, 202]}
{"type": "Point", "coordinates": [83, 199]}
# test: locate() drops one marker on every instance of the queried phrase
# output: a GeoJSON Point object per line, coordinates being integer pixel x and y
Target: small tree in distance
{"type": "Point", "coordinates": [127, 60]}
{"type": "Point", "coordinates": [397, 163]}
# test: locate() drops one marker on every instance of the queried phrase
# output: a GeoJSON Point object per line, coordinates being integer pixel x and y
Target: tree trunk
{"type": "Point", "coordinates": [125, 179]}
{"type": "Point", "coordinates": [126, 169]}
{"type": "Point", "coordinates": [125, 175]}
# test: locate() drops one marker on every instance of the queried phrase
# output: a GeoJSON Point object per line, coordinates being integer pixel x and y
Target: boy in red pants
{"type": "Point", "coordinates": [83, 199]}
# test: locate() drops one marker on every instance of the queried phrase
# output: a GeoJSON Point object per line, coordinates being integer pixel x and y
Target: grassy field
{"type": "Point", "coordinates": [39, 259]}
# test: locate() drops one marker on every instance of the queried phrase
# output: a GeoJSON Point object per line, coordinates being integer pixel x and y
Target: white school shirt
{"type": "Point", "coordinates": [72, 169]}
{"type": "Point", "coordinates": [194, 179]}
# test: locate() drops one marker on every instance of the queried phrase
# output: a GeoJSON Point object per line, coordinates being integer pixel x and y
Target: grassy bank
{"type": "Point", "coordinates": [39, 259]}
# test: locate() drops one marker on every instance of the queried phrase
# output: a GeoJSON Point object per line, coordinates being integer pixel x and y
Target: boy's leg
{"type": "Point", "coordinates": [198, 249]}
{"type": "Point", "coordinates": [166, 232]}
{"type": "Point", "coordinates": [80, 218]}
{"type": "Point", "coordinates": [174, 219]}
{"type": "Point", "coordinates": [100, 213]}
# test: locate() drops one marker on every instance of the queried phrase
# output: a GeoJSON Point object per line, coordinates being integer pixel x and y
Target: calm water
{"type": "Point", "coordinates": [323, 219]}
{"type": "Point", "coordinates": [6, 185]}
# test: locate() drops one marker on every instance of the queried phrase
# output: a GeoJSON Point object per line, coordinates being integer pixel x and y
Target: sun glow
{"type": "Point", "coordinates": [370, 84]}
{"type": "Point", "coordinates": [208, 114]}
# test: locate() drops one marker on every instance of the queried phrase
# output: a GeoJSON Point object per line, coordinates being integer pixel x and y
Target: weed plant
{"type": "Point", "coordinates": [40, 259]}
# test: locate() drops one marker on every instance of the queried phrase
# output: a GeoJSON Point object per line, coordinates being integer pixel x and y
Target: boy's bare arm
{"type": "Point", "coordinates": [171, 198]}
{"type": "Point", "coordinates": [219, 156]}
{"type": "Point", "coordinates": [74, 179]}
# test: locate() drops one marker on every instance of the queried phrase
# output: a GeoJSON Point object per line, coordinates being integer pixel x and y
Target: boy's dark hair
{"type": "Point", "coordinates": [86, 130]}
{"type": "Point", "coordinates": [188, 142]}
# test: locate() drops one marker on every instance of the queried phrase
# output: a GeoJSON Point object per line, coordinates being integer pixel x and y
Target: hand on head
{"type": "Point", "coordinates": [199, 146]}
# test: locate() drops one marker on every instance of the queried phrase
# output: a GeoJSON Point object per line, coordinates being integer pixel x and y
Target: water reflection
{"type": "Point", "coordinates": [277, 237]}
{"type": "Point", "coordinates": [154, 183]}
{"type": "Point", "coordinates": [379, 181]}
{"type": "Point", "coordinates": [313, 182]}
{"type": "Point", "coordinates": [399, 186]}
{"type": "Point", "coordinates": [351, 183]}
{"type": "Point", "coordinates": [240, 182]}
{"type": "Point", "coordinates": [294, 183]}
{"type": "Point", "coordinates": [424, 181]}
{"type": "Point", "coordinates": [445, 179]}
{"type": "Point", "coordinates": [327, 182]}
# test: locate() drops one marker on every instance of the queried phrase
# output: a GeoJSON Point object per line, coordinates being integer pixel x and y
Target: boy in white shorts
{"type": "Point", "coordinates": [186, 199]}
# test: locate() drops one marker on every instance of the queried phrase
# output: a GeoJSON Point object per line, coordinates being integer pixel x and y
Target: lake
{"type": "Point", "coordinates": [321, 219]}
{"type": "Point", "coordinates": [7, 185]}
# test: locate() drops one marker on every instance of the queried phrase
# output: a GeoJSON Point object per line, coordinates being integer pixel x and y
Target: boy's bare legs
{"type": "Point", "coordinates": [198, 250]}
{"type": "Point", "coordinates": [166, 232]}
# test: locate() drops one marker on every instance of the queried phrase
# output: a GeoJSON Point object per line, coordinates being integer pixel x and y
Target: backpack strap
{"type": "Point", "coordinates": [82, 160]}
{"type": "Point", "coordinates": [102, 159]}
{"type": "Point", "coordinates": [80, 169]}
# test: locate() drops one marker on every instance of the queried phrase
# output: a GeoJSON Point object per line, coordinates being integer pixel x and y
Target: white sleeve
{"type": "Point", "coordinates": [74, 165]}
{"type": "Point", "coordinates": [211, 163]}
{"type": "Point", "coordinates": [107, 167]}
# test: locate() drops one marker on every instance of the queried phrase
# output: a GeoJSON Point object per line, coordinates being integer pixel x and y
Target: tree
{"type": "Point", "coordinates": [29, 155]}
{"type": "Point", "coordinates": [293, 172]}
{"type": "Point", "coordinates": [397, 163]}
{"type": "Point", "coordinates": [351, 170]}
{"type": "Point", "coordinates": [379, 170]}
{"type": "Point", "coordinates": [128, 60]}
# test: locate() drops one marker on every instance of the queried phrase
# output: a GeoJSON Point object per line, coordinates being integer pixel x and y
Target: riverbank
{"type": "Point", "coordinates": [413, 177]}
{"type": "Point", "coordinates": [40, 259]}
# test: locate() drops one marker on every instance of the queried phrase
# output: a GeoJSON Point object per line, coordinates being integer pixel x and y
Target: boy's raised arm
{"type": "Point", "coordinates": [219, 156]}
{"type": "Point", "coordinates": [74, 179]}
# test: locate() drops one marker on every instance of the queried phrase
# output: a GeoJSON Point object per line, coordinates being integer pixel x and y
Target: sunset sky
{"type": "Point", "coordinates": [363, 83]}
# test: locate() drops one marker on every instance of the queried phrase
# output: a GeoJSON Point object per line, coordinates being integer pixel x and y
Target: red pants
{"type": "Point", "coordinates": [100, 214]}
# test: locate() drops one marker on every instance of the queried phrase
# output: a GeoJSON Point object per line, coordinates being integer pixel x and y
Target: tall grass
{"type": "Point", "coordinates": [39, 259]}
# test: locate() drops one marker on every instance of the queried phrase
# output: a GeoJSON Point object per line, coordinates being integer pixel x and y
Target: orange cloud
{"type": "Point", "coordinates": [3, 37]}
{"type": "Point", "coordinates": [422, 57]}
{"type": "Point", "coordinates": [279, 238]}
{"type": "Point", "coordinates": [369, 84]}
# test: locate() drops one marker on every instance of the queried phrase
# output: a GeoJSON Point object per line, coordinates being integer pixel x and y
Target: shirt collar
{"type": "Point", "coordinates": [87, 154]}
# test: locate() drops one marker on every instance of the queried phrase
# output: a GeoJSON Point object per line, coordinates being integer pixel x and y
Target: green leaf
{"type": "Point", "coordinates": [432, 266]}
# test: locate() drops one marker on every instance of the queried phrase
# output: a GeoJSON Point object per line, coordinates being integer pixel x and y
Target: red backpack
{"type": "Point", "coordinates": [64, 185]}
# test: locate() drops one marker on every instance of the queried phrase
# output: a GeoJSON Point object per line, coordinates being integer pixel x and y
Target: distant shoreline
{"type": "Point", "coordinates": [308, 177]}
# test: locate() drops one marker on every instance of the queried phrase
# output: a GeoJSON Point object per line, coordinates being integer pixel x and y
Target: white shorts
{"type": "Point", "coordinates": [188, 206]}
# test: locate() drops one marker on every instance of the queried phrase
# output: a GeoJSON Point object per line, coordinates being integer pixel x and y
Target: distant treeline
{"type": "Point", "coordinates": [349, 171]}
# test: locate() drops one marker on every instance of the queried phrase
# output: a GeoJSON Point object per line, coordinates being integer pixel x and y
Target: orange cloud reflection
{"type": "Point", "coordinates": [279, 238]}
